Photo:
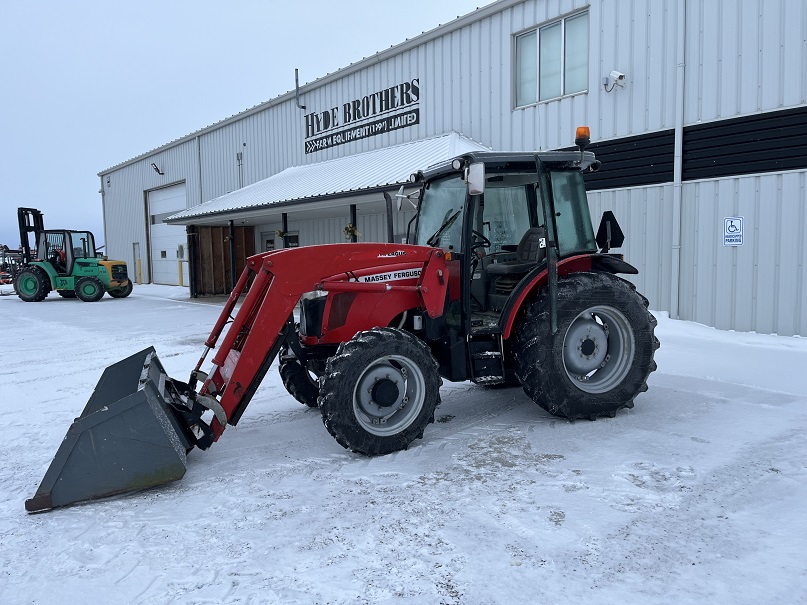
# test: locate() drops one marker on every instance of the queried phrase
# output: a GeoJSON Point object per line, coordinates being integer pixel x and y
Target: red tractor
{"type": "Point", "coordinates": [504, 283]}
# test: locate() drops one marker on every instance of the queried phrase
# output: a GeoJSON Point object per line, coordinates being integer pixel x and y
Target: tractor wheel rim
{"type": "Point", "coordinates": [28, 285]}
{"type": "Point", "coordinates": [598, 349]}
{"type": "Point", "coordinates": [389, 395]}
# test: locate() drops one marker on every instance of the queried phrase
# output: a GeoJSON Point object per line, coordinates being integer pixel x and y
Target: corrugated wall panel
{"type": "Point", "coordinates": [124, 199]}
{"type": "Point", "coordinates": [373, 228]}
{"type": "Point", "coordinates": [744, 56]}
{"type": "Point", "coordinates": [644, 213]}
{"type": "Point", "coordinates": [758, 286]}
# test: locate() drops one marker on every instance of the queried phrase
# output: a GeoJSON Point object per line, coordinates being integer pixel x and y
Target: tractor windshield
{"type": "Point", "coordinates": [83, 244]}
{"type": "Point", "coordinates": [440, 217]}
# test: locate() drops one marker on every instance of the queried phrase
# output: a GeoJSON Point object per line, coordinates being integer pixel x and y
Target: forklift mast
{"type": "Point", "coordinates": [30, 221]}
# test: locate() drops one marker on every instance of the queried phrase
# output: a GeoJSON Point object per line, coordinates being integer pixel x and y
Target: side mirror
{"type": "Point", "coordinates": [475, 177]}
{"type": "Point", "coordinates": [401, 196]}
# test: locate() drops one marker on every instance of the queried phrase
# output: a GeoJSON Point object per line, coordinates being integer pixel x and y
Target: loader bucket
{"type": "Point", "coordinates": [127, 438]}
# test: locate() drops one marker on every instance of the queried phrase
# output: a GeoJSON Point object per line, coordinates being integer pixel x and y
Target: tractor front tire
{"type": "Point", "coordinates": [123, 291]}
{"type": "Point", "coordinates": [89, 289]}
{"type": "Point", "coordinates": [600, 357]}
{"type": "Point", "coordinates": [380, 391]}
{"type": "Point", "coordinates": [32, 284]}
{"type": "Point", "coordinates": [299, 383]}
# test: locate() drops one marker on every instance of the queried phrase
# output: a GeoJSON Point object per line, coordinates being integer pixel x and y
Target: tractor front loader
{"type": "Point", "coordinates": [505, 283]}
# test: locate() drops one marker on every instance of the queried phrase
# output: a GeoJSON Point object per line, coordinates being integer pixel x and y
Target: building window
{"type": "Point", "coordinates": [552, 61]}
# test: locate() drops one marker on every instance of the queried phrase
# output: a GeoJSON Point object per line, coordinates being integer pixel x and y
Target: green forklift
{"type": "Point", "coordinates": [65, 261]}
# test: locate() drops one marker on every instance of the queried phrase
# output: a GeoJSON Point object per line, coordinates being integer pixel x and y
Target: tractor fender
{"type": "Point", "coordinates": [538, 277]}
{"type": "Point", "coordinates": [612, 263]}
{"type": "Point", "coordinates": [47, 268]}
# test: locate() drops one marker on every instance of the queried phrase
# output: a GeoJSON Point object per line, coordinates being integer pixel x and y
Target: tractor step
{"type": "Point", "coordinates": [487, 361]}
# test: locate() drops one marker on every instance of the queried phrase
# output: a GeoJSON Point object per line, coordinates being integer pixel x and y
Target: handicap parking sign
{"type": "Point", "coordinates": [733, 231]}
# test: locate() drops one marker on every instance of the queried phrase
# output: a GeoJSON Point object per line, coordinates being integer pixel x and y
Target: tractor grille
{"type": "Point", "coordinates": [119, 272]}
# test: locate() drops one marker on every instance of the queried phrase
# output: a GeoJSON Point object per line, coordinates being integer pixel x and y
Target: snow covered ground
{"type": "Point", "coordinates": [695, 495]}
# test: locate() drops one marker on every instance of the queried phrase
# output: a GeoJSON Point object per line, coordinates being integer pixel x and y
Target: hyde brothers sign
{"type": "Point", "coordinates": [383, 111]}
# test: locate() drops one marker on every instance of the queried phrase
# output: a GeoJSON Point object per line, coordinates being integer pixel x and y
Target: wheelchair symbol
{"type": "Point", "coordinates": [733, 231]}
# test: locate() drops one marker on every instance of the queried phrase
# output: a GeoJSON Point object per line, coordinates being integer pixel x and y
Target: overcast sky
{"type": "Point", "coordinates": [88, 84]}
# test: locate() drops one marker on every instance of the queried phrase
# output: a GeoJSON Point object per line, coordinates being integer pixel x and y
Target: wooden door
{"type": "Point", "coordinates": [212, 255]}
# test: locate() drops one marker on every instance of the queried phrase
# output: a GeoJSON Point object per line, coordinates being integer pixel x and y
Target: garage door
{"type": "Point", "coordinates": [168, 243]}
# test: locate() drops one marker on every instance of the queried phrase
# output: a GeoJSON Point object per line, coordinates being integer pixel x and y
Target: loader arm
{"type": "Point", "coordinates": [276, 281]}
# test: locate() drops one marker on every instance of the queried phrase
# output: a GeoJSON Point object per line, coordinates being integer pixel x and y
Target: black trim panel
{"type": "Point", "coordinates": [766, 142]}
{"type": "Point", "coordinates": [645, 159]}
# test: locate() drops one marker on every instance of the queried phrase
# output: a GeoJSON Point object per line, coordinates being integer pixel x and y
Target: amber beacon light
{"type": "Point", "coordinates": [582, 137]}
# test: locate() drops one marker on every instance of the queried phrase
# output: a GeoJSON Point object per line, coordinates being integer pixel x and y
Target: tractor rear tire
{"type": "Point", "coordinates": [600, 357]}
{"type": "Point", "coordinates": [32, 284]}
{"type": "Point", "coordinates": [380, 391]}
{"type": "Point", "coordinates": [299, 383]}
{"type": "Point", "coordinates": [66, 293]}
{"type": "Point", "coordinates": [89, 289]}
{"type": "Point", "coordinates": [121, 292]}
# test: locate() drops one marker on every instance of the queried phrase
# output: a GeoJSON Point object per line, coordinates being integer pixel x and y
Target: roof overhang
{"type": "Point", "coordinates": [328, 186]}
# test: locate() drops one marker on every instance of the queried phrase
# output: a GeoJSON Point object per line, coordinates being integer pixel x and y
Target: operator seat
{"type": "Point", "coordinates": [531, 250]}
{"type": "Point", "coordinates": [57, 259]}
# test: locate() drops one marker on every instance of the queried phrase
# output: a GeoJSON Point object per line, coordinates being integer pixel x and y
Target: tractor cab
{"type": "Point", "coordinates": [489, 212]}
{"type": "Point", "coordinates": [62, 248]}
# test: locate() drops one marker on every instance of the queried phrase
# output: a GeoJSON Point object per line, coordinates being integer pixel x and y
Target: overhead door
{"type": "Point", "coordinates": [167, 243]}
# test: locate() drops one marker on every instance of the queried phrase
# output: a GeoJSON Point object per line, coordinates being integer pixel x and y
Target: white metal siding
{"type": "Point", "coordinates": [371, 226]}
{"type": "Point", "coordinates": [124, 198]}
{"type": "Point", "coordinates": [744, 57]}
{"type": "Point", "coordinates": [741, 57]}
{"type": "Point", "coordinates": [645, 215]}
{"type": "Point", "coordinates": [758, 286]}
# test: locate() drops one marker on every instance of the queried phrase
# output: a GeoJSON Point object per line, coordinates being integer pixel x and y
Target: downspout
{"type": "Point", "coordinates": [297, 89]}
{"type": "Point", "coordinates": [103, 214]}
{"type": "Point", "coordinates": [680, 73]}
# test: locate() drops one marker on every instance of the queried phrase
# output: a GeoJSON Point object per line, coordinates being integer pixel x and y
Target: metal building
{"type": "Point", "coordinates": [698, 110]}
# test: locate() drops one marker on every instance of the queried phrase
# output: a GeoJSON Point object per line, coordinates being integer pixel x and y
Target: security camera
{"type": "Point", "coordinates": [618, 77]}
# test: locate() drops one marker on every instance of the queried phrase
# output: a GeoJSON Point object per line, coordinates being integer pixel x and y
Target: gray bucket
{"type": "Point", "coordinates": [127, 438]}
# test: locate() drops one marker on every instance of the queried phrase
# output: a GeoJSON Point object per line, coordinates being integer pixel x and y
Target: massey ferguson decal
{"type": "Point", "coordinates": [393, 254]}
{"type": "Point", "coordinates": [389, 109]}
{"type": "Point", "coordinates": [391, 276]}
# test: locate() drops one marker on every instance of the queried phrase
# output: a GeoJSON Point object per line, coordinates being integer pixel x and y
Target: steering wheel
{"type": "Point", "coordinates": [480, 241]}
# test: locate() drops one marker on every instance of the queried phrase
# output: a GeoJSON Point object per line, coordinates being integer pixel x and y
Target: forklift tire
{"type": "Point", "coordinates": [380, 391]}
{"type": "Point", "coordinates": [89, 289]}
{"type": "Point", "coordinates": [299, 383]}
{"type": "Point", "coordinates": [600, 357]}
{"type": "Point", "coordinates": [32, 284]}
{"type": "Point", "coordinates": [122, 292]}
{"type": "Point", "coordinates": [66, 293]}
